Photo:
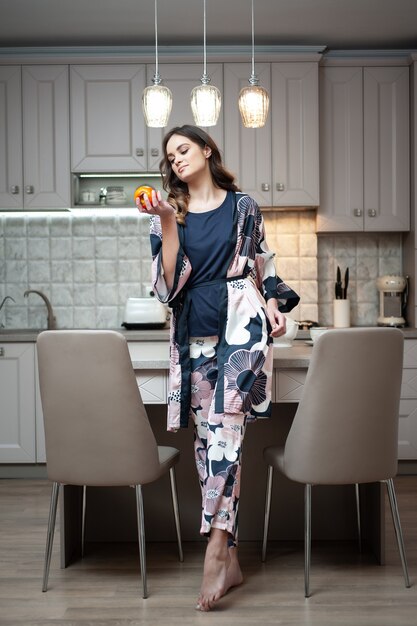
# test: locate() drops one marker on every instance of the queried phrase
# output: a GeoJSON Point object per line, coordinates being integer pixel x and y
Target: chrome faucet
{"type": "Point", "coordinates": [51, 316]}
{"type": "Point", "coordinates": [3, 303]}
{"type": "Point", "coordinates": [5, 299]}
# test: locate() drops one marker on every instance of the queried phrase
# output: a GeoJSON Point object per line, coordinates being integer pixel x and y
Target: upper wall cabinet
{"type": "Point", "coordinates": [277, 164]}
{"type": "Point", "coordinates": [364, 149]}
{"type": "Point", "coordinates": [108, 129]}
{"type": "Point", "coordinates": [247, 152]}
{"type": "Point", "coordinates": [34, 163]}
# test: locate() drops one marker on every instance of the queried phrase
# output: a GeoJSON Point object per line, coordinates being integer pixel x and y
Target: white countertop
{"type": "Point", "coordinates": [149, 349]}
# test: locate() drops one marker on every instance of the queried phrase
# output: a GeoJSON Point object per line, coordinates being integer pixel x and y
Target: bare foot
{"type": "Point", "coordinates": [216, 564]}
{"type": "Point", "coordinates": [234, 576]}
{"type": "Point", "coordinates": [221, 572]}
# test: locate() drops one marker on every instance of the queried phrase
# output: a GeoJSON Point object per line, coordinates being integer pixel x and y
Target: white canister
{"type": "Point", "coordinates": [88, 196]}
{"type": "Point", "coordinates": [341, 313]}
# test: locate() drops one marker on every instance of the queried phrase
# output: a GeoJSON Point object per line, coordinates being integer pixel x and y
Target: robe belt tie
{"type": "Point", "coordinates": [182, 338]}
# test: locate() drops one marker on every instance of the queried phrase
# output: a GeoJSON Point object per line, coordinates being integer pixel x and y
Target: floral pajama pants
{"type": "Point", "coordinates": [218, 439]}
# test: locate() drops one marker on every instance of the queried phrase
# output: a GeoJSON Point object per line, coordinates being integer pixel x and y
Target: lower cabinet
{"type": "Point", "coordinates": [17, 403]}
{"type": "Point", "coordinates": [21, 424]}
{"type": "Point", "coordinates": [407, 433]}
{"type": "Point", "coordinates": [289, 385]}
{"type": "Point", "coordinates": [152, 386]}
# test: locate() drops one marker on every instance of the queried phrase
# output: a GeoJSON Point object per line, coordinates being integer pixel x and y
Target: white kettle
{"type": "Point", "coordinates": [141, 313]}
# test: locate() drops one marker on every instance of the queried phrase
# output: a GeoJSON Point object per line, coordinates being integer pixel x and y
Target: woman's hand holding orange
{"type": "Point", "coordinates": [149, 201]}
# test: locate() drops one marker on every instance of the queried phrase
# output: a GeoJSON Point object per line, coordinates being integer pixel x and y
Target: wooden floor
{"type": "Point", "coordinates": [104, 589]}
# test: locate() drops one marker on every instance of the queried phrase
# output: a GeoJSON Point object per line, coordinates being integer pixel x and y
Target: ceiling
{"type": "Point", "coordinates": [337, 24]}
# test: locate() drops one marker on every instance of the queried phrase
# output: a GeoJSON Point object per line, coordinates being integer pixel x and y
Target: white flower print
{"type": "Point", "coordinates": [202, 346]}
{"type": "Point", "coordinates": [220, 450]}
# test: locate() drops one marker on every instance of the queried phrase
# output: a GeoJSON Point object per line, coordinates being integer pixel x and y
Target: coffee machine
{"type": "Point", "coordinates": [393, 293]}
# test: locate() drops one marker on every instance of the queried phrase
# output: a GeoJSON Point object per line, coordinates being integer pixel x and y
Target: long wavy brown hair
{"type": "Point", "coordinates": [177, 190]}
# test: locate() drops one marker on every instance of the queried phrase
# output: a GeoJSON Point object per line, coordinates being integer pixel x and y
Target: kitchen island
{"type": "Point", "coordinates": [111, 512]}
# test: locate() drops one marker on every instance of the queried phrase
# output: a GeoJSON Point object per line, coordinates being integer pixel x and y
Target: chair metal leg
{"type": "Point", "coordinates": [358, 515]}
{"type": "Point", "coordinates": [141, 537]}
{"type": "Point", "coordinates": [397, 527]}
{"type": "Point", "coordinates": [50, 533]}
{"type": "Point", "coordinates": [83, 520]}
{"type": "Point", "coordinates": [307, 539]}
{"type": "Point", "coordinates": [267, 510]}
{"type": "Point", "coordinates": [176, 512]}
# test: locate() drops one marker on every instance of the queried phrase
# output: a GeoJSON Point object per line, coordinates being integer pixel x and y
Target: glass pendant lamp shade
{"type": "Point", "coordinates": [206, 102]}
{"type": "Point", "coordinates": [157, 99]}
{"type": "Point", "coordinates": [206, 99]}
{"type": "Point", "coordinates": [157, 105]}
{"type": "Point", "coordinates": [253, 100]}
{"type": "Point", "coordinates": [253, 106]}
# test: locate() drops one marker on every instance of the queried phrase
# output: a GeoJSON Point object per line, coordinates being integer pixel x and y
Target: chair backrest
{"type": "Point", "coordinates": [346, 426]}
{"type": "Point", "coordinates": [96, 428]}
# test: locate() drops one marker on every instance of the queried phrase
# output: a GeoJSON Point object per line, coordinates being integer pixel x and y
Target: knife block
{"type": "Point", "coordinates": [341, 313]}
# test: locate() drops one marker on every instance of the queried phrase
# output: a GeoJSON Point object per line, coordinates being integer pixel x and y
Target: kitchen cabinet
{"type": "Point", "coordinates": [34, 164]}
{"type": "Point", "coordinates": [108, 130]}
{"type": "Point", "coordinates": [364, 149]}
{"type": "Point", "coordinates": [17, 403]}
{"type": "Point", "coordinates": [289, 385]}
{"type": "Point", "coordinates": [152, 381]}
{"type": "Point", "coordinates": [107, 127]}
{"type": "Point", "coordinates": [40, 430]}
{"type": "Point", "coordinates": [277, 164]}
{"type": "Point", "coordinates": [407, 434]}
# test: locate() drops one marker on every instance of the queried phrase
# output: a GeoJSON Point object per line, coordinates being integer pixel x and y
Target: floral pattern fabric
{"type": "Point", "coordinates": [218, 442]}
{"type": "Point", "coordinates": [244, 351]}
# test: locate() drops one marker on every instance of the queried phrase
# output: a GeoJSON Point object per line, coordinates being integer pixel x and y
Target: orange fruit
{"type": "Point", "coordinates": [140, 192]}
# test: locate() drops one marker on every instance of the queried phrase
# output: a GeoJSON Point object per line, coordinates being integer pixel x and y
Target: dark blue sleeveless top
{"type": "Point", "coordinates": [208, 243]}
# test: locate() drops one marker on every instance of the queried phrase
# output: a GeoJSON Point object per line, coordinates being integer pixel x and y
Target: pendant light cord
{"type": "Point", "coordinates": [204, 39]}
{"type": "Point", "coordinates": [204, 79]}
{"type": "Point", "coordinates": [253, 43]}
{"type": "Point", "coordinates": [156, 78]}
{"type": "Point", "coordinates": [253, 80]}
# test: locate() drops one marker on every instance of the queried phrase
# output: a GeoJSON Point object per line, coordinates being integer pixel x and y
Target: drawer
{"type": "Point", "coordinates": [407, 429]}
{"type": "Point", "coordinates": [410, 353]}
{"type": "Point", "coordinates": [409, 383]}
{"type": "Point", "coordinates": [152, 386]}
{"type": "Point", "coordinates": [149, 351]}
{"type": "Point", "coordinates": [289, 385]}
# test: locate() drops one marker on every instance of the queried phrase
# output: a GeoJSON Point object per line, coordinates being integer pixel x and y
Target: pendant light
{"type": "Point", "coordinates": [253, 100]}
{"type": "Point", "coordinates": [157, 99]}
{"type": "Point", "coordinates": [206, 99]}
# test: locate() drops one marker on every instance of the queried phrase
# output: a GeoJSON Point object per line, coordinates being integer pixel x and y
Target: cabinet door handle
{"type": "Point", "coordinates": [29, 189]}
{"type": "Point", "coordinates": [14, 189]}
{"type": "Point", "coordinates": [265, 186]}
{"type": "Point", "coordinates": [154, 152]}
{"type": "Point", "coordinates": [140, 152]}
{"type": "Point", "coordinates": [372, 212]}
{"type": "Point", "coordinates": [357, 212]}
{"type": "Point", "coordinates": [280, 186]}
{"type": "Point", "coordinates": [1, 351]}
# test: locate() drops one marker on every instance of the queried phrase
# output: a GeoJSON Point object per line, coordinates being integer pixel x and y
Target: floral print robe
{"type": "Point", "coordinates": [245, 355]}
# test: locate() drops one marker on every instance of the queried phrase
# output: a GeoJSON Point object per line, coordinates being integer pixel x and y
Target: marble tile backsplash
{"type": "Point", "coordinates": [368, 255]}
{"type": "Point", "coordinates": [89, 265]}
{"type": "Point", "coordinates": [291, 235]}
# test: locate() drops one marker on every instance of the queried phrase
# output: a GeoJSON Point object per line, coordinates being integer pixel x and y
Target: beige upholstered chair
{"type": "Point", "coordinates": [97, 431]}
{"type": "Point", "coordinates": [345, 430]}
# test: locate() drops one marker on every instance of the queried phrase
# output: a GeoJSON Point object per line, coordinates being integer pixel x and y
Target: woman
{"type": "Point", "coordinates": [211, 264]}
